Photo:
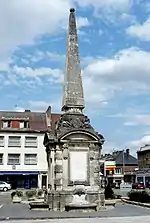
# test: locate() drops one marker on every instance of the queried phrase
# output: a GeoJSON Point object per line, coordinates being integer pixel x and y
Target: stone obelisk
{"type": "Point", "coordinates": [73, 147]}
{"type": "Point", "coordinates": [73, 97]}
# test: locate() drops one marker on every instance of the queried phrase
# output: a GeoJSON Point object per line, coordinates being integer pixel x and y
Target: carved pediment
{"type": "Point", "coordinates": [76, 123]}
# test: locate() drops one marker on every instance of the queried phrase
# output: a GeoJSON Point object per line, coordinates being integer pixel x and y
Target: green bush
{"type": "Point", "coordinates": [39, 193]}
{"type": "Point", "coordinates": [30, 193]}
{"type": "Point", "coordinates": [109, 193]}
{"type": "Point", "coordinates": [19, 193]}
{"type": "Point", "coordinates": [139, 196]}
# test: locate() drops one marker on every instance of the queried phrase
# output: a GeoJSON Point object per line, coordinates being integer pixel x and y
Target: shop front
{"type": "Point", "coordinates": [19, 179]}
{"type": "Point", "coordinates": [110, 170]}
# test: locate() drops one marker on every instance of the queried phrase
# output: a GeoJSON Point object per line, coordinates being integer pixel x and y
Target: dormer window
{"type": "Point", "coordinates": [24, 124]}
{"type": "Point", "coordinates": [15, 122]}
{"type": "Point", "coordinates": [21, 124]}
{"type": "Point", "coordinates": [7, 124]}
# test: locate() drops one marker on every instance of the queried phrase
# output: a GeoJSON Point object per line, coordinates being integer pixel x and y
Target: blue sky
{"type": "Point", "coordinates": [114, 43]}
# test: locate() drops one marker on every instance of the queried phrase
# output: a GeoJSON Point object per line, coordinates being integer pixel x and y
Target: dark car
{"type": "Point", "coordinates": [139, 185]}
{"type": "Point", "coordinates": [147, 185]}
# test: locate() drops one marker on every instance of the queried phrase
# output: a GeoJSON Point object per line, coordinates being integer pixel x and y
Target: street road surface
{"type": "Point", "coordinates": [145, 219]}
{"type": "Point", "coordinates": [21, 211]}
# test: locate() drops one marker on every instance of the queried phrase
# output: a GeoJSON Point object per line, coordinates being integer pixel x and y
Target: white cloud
{"type": "Point", "coordinates": [19, 109]}
{"type": "Point", "coordinates": [130, 123]}
{"type": "Point", "coordinates": [127, 71]}
{"type": "Point", "coordinates": [141, 142]}
{"type": "Point", "coordinates": [133, 117]}
{"type": "Point", "coordinates": [82, 22]}
{"type": "Point", "coordinates": [56, 75]}
{"type": "Point", "coordinates": [38, 105]}
{"type": "Point", "coordinates": [139, 119]}
{"type": "Point", "coordinates": [43, 105]}
{"type": "Point", "coordinates": [141, 31]}
{"type": "Point", "coordinates": [22, 21]}
{"type": "Point", "coordinates": [108, 9]}
{"type": "Point", "coordinates": [119, 5]}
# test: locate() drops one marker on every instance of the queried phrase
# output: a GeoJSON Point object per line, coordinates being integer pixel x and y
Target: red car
{"type": "Point", "coordinates": [138, 185]}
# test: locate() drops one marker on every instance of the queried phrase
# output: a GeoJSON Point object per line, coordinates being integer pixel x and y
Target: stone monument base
{"type": "Point", "coordinates": [80, 207]}
{"type": "Point", "coordinates": [57, 200]}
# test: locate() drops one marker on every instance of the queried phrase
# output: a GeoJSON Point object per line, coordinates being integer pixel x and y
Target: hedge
{"type": "Point", "coordinates": [139, 196]}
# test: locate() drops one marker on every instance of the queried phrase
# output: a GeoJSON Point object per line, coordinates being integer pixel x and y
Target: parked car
{"type": "Point", "coordinates": [125, 186]}
{"type": "Point", "coordinates": [4, 186]}
{"type": "Point", "coordinates": [117, 186]}
{"type": "Point", "coordinates": [138, 185]}
{"type": "Point", "coordinates": [147, 185]}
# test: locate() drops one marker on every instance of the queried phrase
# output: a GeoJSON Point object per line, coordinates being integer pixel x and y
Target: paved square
{"type": "Point", "coordinates": [145, 219]}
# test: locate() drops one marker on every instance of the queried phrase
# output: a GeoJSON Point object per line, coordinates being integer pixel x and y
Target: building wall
{"type": "Point", "coordinates": [126, 169]}
{"type": "Point", "coordinates": [144, 159]}
{"type": "Point", "coordinates": [41, 165]}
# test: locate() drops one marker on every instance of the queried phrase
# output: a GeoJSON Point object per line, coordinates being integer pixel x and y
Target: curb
{"type": "Point", "coordinates": [136, 203]}
{"type": "Point", "coordinates": [50, 218]}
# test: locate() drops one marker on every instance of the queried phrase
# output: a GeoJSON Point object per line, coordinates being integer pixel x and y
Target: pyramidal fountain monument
{"type": "Point", "coordinates": [74, 147]}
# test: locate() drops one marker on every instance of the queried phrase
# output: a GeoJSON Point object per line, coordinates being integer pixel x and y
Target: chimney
{"type": "Point", "coordinates": [27, 110]}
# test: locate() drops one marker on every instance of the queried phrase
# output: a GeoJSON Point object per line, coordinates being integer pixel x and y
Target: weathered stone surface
{"type": "Point", "coordinates": [91, 155]}
{"type": "Point", "coordinates": [96, 175]}
{"type": "Point", "coordinates": [97, 155]}
{"type": "Point", "coordinates": [96, 169]}
{"type": "Point", "coordinates": [56, 202]}
{"type": "Point", "coordinates": [92, 197]}
{"type": "Point", "coordinates": [57, 182]}
{"type": "Point", "coordinates": [69, 122]}
{"type": "Point", "coordinates": [73, 96]}
{"type": "Point", "coordinates": [16, 199]}
{"type": "Point", "coordinates": [58, 168]}
{"type": "Point", "coordinates": [97, 181]}
{"type": "Point", "coordinates": [65, 154]}
{"type": "Point", "coordinates": [97, 147]}
{"type": "Point", "coordinates": [58, 155]}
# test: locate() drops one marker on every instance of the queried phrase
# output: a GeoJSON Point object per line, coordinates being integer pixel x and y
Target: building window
{"type": "Point", "coordinates": [30, 159]}
{"type": "Point", "coordinates": [1, 141]}
{"type": "Point", "coordinates": [24, 124]}
{"type": "Point", "coordinates": [21, 125]}
{"type": "Point", "coordinates": [7, 124]}
{"type": "Point", "coordinates": [14, 141]}
{"type": "Point", "coordinates": [118, 171]}
{"type": "Point", "coordinates": [1, 159]}
{"type": "Point", "coordinates": [13, 159]}
{"type": "Point", "coordinates": [30, 141]}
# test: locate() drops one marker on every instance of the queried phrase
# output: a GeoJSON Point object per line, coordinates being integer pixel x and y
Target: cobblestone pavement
{"type": "Point", "coordinates": [145, 219]}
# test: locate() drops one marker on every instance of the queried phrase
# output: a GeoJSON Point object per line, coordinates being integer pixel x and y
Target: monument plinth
{"type": "Point", "coordinates": [74, 148]}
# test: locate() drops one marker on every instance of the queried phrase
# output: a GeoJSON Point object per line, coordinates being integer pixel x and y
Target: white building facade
{"type": "Point", "coordinates": [23, 161]}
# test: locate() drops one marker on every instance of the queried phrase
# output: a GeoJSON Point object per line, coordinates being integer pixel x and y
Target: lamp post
{"type": "Point", "coordinates": [123, 164]}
